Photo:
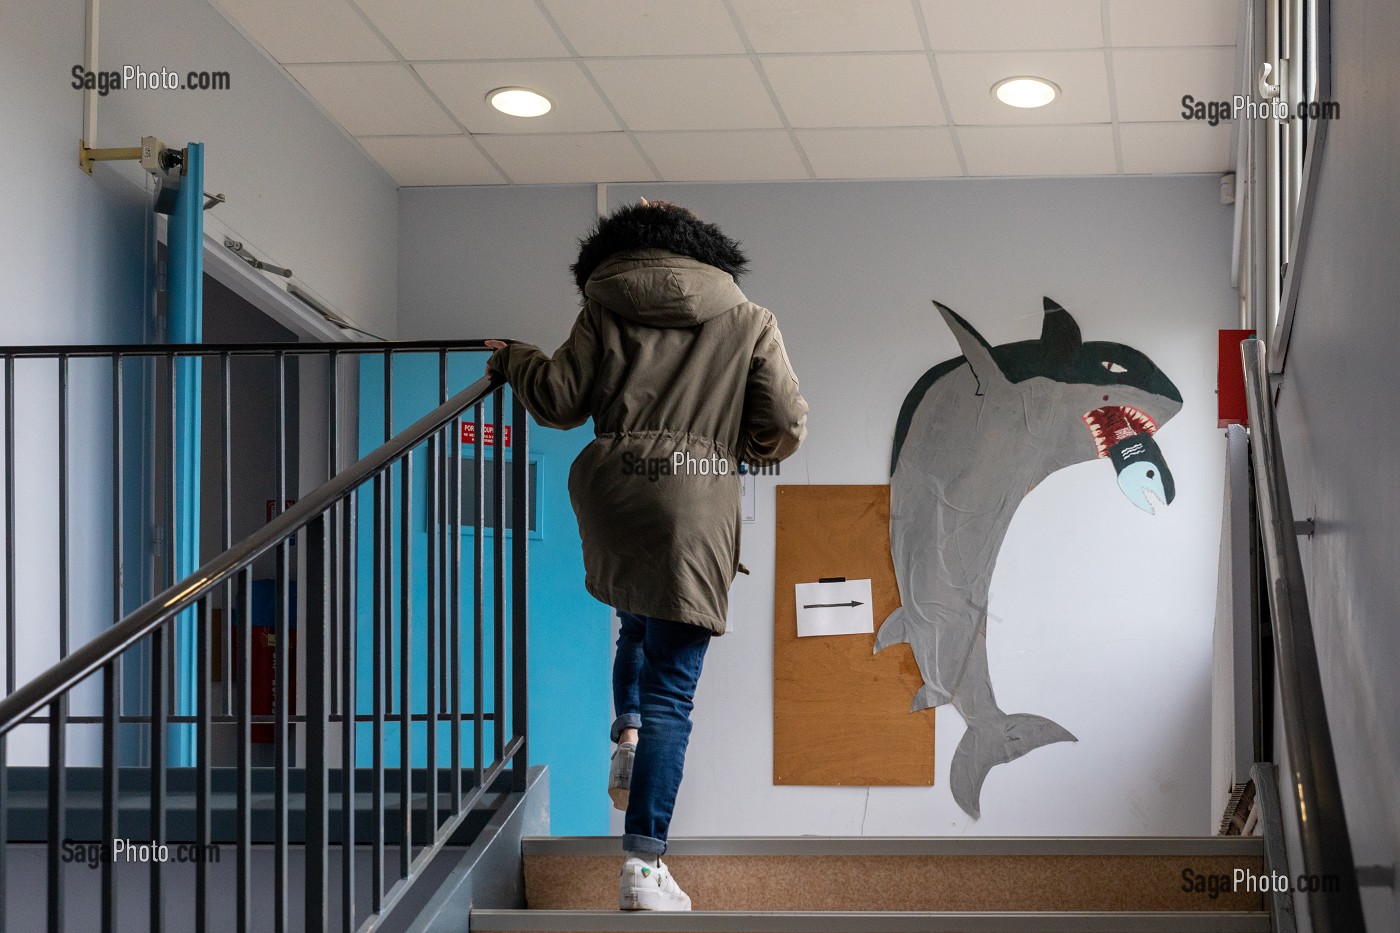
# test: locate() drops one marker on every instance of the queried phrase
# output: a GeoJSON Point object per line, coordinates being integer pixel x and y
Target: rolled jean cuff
{"type": "Point", "coordinates": [644, 844]}
{"type": "Point", "coordinates": [626, 721]}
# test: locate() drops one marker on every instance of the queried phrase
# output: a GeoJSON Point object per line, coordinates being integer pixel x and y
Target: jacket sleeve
{"type": "Point", "coordinates": [555, 390]}
{"type": "Point", "coordinates": [775, 413]}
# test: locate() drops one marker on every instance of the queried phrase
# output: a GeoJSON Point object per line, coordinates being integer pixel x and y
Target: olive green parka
{"type": "Point", "coordinates": [684, 379]}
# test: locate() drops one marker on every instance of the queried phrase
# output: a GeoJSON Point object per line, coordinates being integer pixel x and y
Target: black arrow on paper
{"type": "Point", "coordinates": [850, 605]}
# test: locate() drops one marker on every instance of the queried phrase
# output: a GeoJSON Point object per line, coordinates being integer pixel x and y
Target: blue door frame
{"type": "Point", "coordinates": [185, 324]}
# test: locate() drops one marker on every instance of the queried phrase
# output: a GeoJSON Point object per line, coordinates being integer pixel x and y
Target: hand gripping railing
{"type": "Point", "coordinates": [1326, 843]}
{"type": "Point", "coordinates": [342, 631]}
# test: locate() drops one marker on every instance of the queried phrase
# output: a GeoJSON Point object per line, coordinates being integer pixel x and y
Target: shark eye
{"type": "Point", "coordinates": [1113, 367]}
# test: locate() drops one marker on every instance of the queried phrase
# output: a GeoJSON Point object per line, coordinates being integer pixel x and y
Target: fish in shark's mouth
{"type": "Point", "coordinates": [1114, 423]}
{"type": "Point", "coordinates": [1123, 434]}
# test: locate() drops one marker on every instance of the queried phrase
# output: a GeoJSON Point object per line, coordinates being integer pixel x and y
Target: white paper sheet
{"type": "Point", "coordinates": [834, 608]}
{"type": "Point", "coordinates": [748, 496]}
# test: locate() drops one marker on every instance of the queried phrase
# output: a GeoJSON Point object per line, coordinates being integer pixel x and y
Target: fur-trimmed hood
{"type": "Point", "coordinates": [657, 226]}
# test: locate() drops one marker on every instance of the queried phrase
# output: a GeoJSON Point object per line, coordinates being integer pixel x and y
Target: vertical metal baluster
{"type": "Point", "coordinates": [282, 694]}
{"type": "Point", "coordinates": [226, 521]}
{"type": "Point", "coordinates": [478, 597]}
{"type": "Point", "coordinates": [63, 603]}
{"type": "Point", "coordinates": [58, 710]}
{"type": "Point", "coordinates": [455, 620]}
{"type": "Point", "coordinates": [498, 599]}
{"type": "Point", "coordinates": [204, 830]}
{"type": "Point", "coordinates": [519, 580]}
{"type": "Point", "coordinates": [379, 580]}
{"type": "Point", "coordinates": [9, 529]}
{"type": "Point", "coordinates": [406, 662]}
{"type": "Point", "coordinates": [159, 696]}
{"type": "Point", "coordinates": [318, 617]}
{"type": "Point", "coordinates": [172, 527]}
{"type": "Point", "coordinates": [9, 611]}
{"type": "Point", "coordinates": [437, 677]}
{"type": "Point", "coordinates": [349, 619]}
{"type": "Point", "coordinates": [57, 802]}
{"type": "Point", "coordinates": [333, 540]}
{"type": "Point", "coordinates": [110, 789]}
{"type": "Point", "coordinates": [244, 895]}
{"type": "Point", "coordinates": [389, 530]}
{"type": "Point", "coordinates": [431, 680]}
{"type": "Point", "coordinates": [4, 822]}
{"type": "Point", "coordinates": [111, 672]}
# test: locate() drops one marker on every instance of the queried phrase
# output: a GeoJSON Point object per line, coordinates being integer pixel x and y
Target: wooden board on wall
{"type": "Point", "coordinates": [840, 712]}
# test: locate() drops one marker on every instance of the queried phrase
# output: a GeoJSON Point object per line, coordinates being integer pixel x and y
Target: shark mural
{"type": "Point", "coordinates": [974, 436]}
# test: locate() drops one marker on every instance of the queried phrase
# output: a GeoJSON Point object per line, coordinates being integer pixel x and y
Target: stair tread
{"type": "Point", "coordinates": [912, 845]}
{"type": "Point", "coordinates": [747, 921]}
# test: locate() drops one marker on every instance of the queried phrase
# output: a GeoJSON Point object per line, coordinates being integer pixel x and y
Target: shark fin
{"type": "Point", "coordinates": [928, 695]}
{"type": "Point", "coordinates": [893, 631]}
{"type": "Point", "coordinates": [1059, 332]}
{"type": "Point", "coordinates": [976, 351]}
{"type": "Point", "coordinates": [993, 742]}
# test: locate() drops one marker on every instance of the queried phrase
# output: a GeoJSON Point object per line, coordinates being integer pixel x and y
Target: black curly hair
{"type": "Point", "coordinates": [660, 225]}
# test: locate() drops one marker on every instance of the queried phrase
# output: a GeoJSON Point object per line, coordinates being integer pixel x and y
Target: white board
{"type": "Point", "coordinates": [834, 608]}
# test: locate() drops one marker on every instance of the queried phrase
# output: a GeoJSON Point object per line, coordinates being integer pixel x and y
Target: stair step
{"type": "Point", "coordinates": [809, 873]}
{"type": "Point", "coordinates": [741, 921]}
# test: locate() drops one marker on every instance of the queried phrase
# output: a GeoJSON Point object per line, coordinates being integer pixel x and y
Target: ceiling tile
{"type": "Point", "coordinates": [1172, 22]}
{"type": "Point", "coordinates": [968, 78]}
{"type": "Point", "coordinates": [740, 155]}
{"type": "Point", "coordinates": [307, 31]}
{"type": "Point", "coordinates": [1151, 82]}
{"type": "Point", "coordinates": [374, 100]}
{"type": "Point", "coordinates": [595, 158]}
{"type": "Point", "coordinates": [897, 152]}
{"type": "Point", "coordinates": [432, 160]}
{"type": "Point", "coordinates": [460, 29]}
{"type": "Point", "coordinates": [1038, 150]}
{"type": "Point", "coordinates": [462, 87]}
{"type": "Point", "coordinates": [829, 25]}
{"type": "Point", "coordinates": [628, 28]}
{"type": "Point", "coordinates": [1172, 148]}
{"type": "Point", "coordinates": [687, 93]}
{"type": "Point", "coordinates": [989, 25]}
{"type": "Point", "coordinates": [894, 89]}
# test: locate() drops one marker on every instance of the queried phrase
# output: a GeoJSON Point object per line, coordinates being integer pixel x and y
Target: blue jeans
{"type": "Point", "coordinates": [654, 675]}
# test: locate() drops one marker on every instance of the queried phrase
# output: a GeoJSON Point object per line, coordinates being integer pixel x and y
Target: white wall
{"type": "Point", "coordinates": [299, 191]}
{"type": "Point", "coordinates": [1102, 615]}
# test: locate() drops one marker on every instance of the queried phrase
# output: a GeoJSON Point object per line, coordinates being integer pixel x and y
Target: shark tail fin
{"type": "Point", "coordinates": [996, 741]}
{"type": "Point", "coordinates": [893, 631]}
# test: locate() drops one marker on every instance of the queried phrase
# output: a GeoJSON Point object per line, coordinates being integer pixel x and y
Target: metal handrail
{"type": "Point", "coordinates": [1326, 843]}
{"type": "Point", "coordinates": [86, 660]}
{"type": "Point", "coordinates": [73, 351]}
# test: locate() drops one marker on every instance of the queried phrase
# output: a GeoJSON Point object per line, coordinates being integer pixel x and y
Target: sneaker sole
{"type": "Point", "coordinates": [621, 791]}
{"type": "Point", "coordinates": [620, 796]}
{"type": "Point", "coordinates": [653, 900]}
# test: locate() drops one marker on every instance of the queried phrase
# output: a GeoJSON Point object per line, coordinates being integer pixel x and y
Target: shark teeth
{"type": "Point", "coordinates": [1113, 423]}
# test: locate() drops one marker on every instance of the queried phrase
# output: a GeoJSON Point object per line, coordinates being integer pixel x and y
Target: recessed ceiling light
{"type": "Point", "coordinates": [1025, 91]}
{"type": "Point", "coordinates": [519, 101]}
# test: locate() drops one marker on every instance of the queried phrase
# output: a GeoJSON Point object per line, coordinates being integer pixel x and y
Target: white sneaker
{"type": "Point", "coordinates": [646, 888]}
{"type": "Point", "coordinates": [620, 775]}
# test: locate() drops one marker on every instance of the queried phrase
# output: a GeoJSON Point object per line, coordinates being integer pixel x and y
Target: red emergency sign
{"type": "Point", "coordinates": [488, 434]}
